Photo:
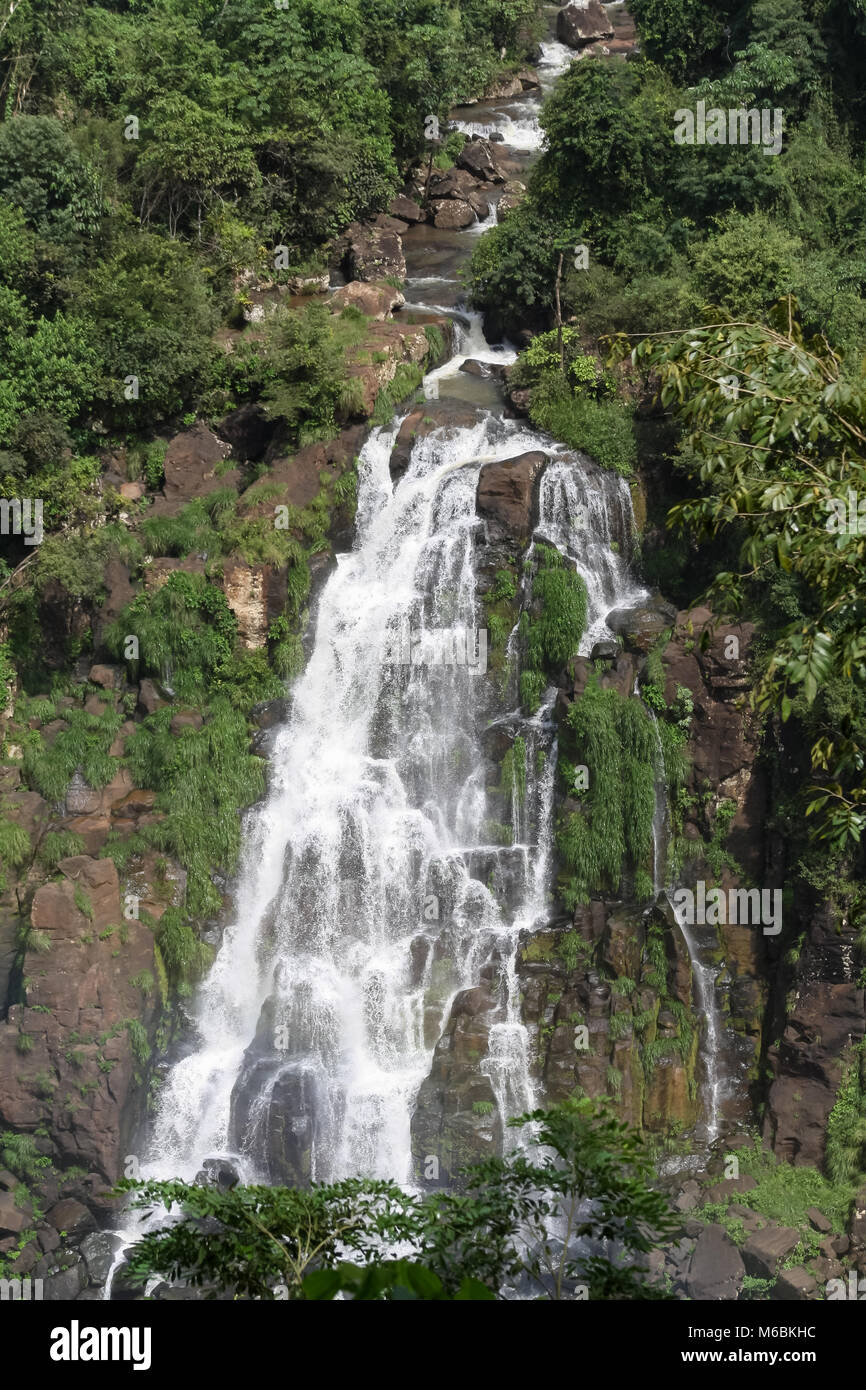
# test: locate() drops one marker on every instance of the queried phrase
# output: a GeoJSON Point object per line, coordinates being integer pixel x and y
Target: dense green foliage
{"type": "Point", "coordinates": [553, 627]}
{"type": "Point", "coordinates": [671, 227]}
{"type": "Point", "coordinates": [610, 831]}
{"type": "Point", "coordinates": [154, 154]}
{"type": "Point", "coordinates": [585, 1175]}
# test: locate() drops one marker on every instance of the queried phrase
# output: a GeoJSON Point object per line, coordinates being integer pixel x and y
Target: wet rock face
{"type": "Point", "coordinates": [507, 497]}
{"type": "Point", "coordinates": [455, 1121]}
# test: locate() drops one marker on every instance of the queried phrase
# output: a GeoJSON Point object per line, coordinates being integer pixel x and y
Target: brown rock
{"type": "Point", "coordinates": [149, 698]}
{"type": "Point", "coordinates": [728, 1187]}
{"type": "Point", "coordinates": [71, 1216]}
{"type": "Point", "coordinates": [478, 157]}
{"type": "Point", "coordinates": [191, 467]}
{"type": "Point", "coordinates": [406, 209]}
{"type": "Point", "coordinates": [374, 300]}
{"type": "Point", "coordinates": [513, 195]}
{"type": "Point", "coordinates": [819, 1222]}
{"type": "Point", "coordinates": [579, 25]}
{"type": "Point", "coordinates": [794, 1285]}
{"type": "Point", "coordinates": [186, 719]}
{"type": "Point", "coordinates": [256, 595]}
{"type": "Point", "coordinates": [109, 677]}
{"type": "Point", "coordinates": [372, 253]}
{"type": "Point", "coordinates": [507, 496]}
{"type": "Point", "coordinates": [13, 1219]}
{"type": "Point", "coordinates": [765, 1250]}
{"type": "Point", "coordinates": [452, 213]}
{"type": "Point", "coordinates": [390, 224]}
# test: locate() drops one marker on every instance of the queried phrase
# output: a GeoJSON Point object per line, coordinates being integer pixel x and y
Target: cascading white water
{"type": "Point", "coordinates": [316, 1024]}
{"type": "Point", "coordinates": [587, 514]}
{"type": "Point", "coordinates": [524, 133]}
{"type": "Point", "coordinates": [378, 784]}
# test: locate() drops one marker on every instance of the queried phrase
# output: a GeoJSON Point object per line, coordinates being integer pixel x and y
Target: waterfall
{"type": "Point", "coordinates": [316, 1023]}
{"type": "Point", "coordinates": [704, 976]}
{"type": "Point", "coordinates": [369, 893]}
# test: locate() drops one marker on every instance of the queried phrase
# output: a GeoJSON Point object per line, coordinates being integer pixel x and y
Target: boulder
{"type": "Point", "coordinates": [390, 224]}
{"type": "Point", "coordinates": [71, 1216]}
{"type": "Point", "coordinates": [794, 1285]}
{"type": "Point", "coordinates": [452, 214]}
{"type": "Point", "coordinates": [309, 284]}
{"type": "Point", "coordinates": [149, 698]}
{"type": "Point", "coordinates": [484, 370]}
{"type": "Point", "coordinates": [191, 463]}
{"type": "Point", "coordinates": [716, 1270]}
{"type": "Point", "coordinates": [512, 196]}
{"type": "Point", "coordinates": [642, 625]}
{"type": "Point", "coordinates": [507, 496]}
{"type": "Point", "coordinates": [580, 24]}
{"type": "Point", "coordinates": [373, 253]}
{"type": "Point", "coordinates": [478, 157]}
{"type": "Point", "coordinates": [819, 1222]}
{"type": "Point", "coordinates": [13, 1219]}
{"type": "Point", "coordinates": [405, 208]}
{"type": "Point", "coordinates": [65, 1286]}
{"type": "Point", "coordinates": [765, 1250]}
{"type": "Point", "coordinates": [375, 300]}
{"type": "Point", "coordinates": [107, 676]}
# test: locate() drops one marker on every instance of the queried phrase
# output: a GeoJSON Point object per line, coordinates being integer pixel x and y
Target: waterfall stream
{"type": "Point", "coordinates": [369, 892]}
{"type": "Point", "coordinates": [703, 975]}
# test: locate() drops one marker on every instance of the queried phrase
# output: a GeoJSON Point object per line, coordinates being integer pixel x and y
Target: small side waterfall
{"type": "Point", "coordinates": [703, 975]}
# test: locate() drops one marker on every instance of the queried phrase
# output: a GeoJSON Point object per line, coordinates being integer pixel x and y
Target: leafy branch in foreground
{"type": "Point", "coordinates": [776, 433]}
{"type": "Point", "coordinates": [577, 1215]}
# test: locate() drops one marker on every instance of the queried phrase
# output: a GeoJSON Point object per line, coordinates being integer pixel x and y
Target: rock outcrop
{"type": "Point", "coordinates": [579, 24]}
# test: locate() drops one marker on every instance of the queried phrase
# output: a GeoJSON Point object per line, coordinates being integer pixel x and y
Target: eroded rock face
{"type": "Point", "coordinates": [191, 463]}
{"type": "Point", "coordinates": [77, 1072]}
{"type": "Point", "coordinates": [507, 497]}
{"type": "Point", "coordinates": [256, 594]}
{"type": "Point", "coordinates": [456, 1120]}
{"type": "Point", "coordinates": [580, 24]}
